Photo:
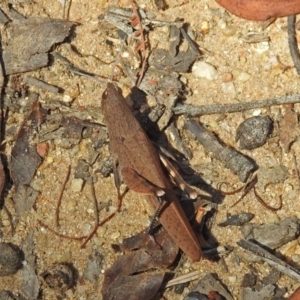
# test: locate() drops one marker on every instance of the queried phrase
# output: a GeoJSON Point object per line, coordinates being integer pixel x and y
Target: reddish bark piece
{"type": "Point", "coordinates": [30, 40]}
{"type": "Point", "coordinates": [261, 10]}
{"type": "Point", "coordinates": [288, 129]}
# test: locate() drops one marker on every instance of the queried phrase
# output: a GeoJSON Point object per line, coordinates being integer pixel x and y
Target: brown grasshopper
{"type": "Point", "coordinates": [138, 162]}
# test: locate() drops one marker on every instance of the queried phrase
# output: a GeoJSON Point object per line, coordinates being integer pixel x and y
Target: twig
{"type": "Point", "coordinates": [62, 235]}
{"type": "Point", "coordinates": [293, 43]}
{"type": "Point", "coordinates": [247, 188]}
{"type": "Point", "coordinates": [42, 85]}
{"type": "Point", "coordinates": [193, 111]}
{"type": "Point", "coordinates": [183, 278]}
{"type": "Point", "coordinates": [61, 195]}
{"type": "Point", "coordinates": [95, 229]}
{"type": "Point", "coordinates": [271, 259]}
{"type": "Point", "coordinates": [96, 209]}
{"type": "Point", "coordinates": [238, 163]}
{"type": "Point", "coordinates": [263, 203]}
{"type": "Point", "coordinates": [2, 173]}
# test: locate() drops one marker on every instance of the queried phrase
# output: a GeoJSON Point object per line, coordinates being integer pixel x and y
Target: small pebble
{"type": "Point", "coordinates": [115, 235]}
{"type": "Point", "coordinates": [228, 88]}
{"type": "Point", "coordinates": [77, 184]}
{"type": "Point", "coordinates": [230, 30]}
{"type": "Point", "coordinates": [204, 70]}
{"type": "Point", "coordinates": [243, 77]}
{"type": "Point", "coordinates": [67, 98]}
{"type": "Point", "coordinates": [249, 280]}
{"type": "Point", "coordinates": [205, 27]}
{"type": "Point", "coordinates": [227, 77]}
{"type": "Point", "coordinates": [86, 228]}
{"type": "Point", "coordinates": [49, 160]}
{"type": "Point", "coordinates": [11, 258]}
{"type": "Point", "coordinates": [101, 231]}
{"type": "Point", "coordinates": [254, 132]}
{"type": "Point", "coordinates": [42, 149]}
{"type": "Point", "coordinates": [256, 112]}
{"type": "Point", "coordinates": [5, 222]}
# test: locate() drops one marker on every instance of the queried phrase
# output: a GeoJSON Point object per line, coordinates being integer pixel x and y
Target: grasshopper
{"type": "Point", "coordinates": [137, 161]}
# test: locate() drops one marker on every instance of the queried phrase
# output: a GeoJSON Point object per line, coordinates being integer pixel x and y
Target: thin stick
{"type": "Point", "coordinates": [293, 43]}
{"type": "Point", "coordinates": [183, 278]}
{"type": "Point", "coordinates": [95, 229]}
{"type": "Point", "coordinates": [96, 209]}
{"type": "Point", "coordinates": [61, 195]}
{"type": "Point", "coordinates": [193, 111]}
{"type": "Point", "coordinates": [270, 258]}
{"type": "Point", "coordinates": [61, 235]}
{"type": "Point", "coordinates": [264, 204]}
{"type": "Point", "coordinates": [41, 84]}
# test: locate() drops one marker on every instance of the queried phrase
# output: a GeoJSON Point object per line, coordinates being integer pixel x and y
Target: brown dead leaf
{"type": "Point", "coordinates": [138, 274]}
{"type": "Point", "coordinates": [289, 131]}
{"type": "Point", "coordinates": [135, 287]}
{"type": "Point", "coordinates": [30, 40]}
{"type": "Point", "coordinates": [24, 156]}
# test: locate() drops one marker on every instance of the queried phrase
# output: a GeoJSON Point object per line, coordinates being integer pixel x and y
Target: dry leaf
{"type": "Point", "coordinates": [138, 275]}
{"type": "Point", "coordinates": [30, 40]}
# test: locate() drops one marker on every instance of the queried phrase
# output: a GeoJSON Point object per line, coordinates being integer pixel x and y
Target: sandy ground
{"type": "Point", "coordinates": [269, 73]}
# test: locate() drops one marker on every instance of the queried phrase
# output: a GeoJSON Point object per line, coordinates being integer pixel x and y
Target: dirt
{"type": "Point", "coordinates": [269, 73]}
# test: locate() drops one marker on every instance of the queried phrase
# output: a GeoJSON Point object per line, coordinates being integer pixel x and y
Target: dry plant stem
{"type": "Point", "coordinates": [95, 229]}
{"type": "Point", "coordinates": [96, 209]}
{"type": "Point", "coordinates": [80, 238]}
{"type": "Point", "coordinates": [61, 195]}
{"type": "Point", "coordinates": [247, 188]}
{"type": "Point", "coordinates": [184, 278]}
{"type": "Point", "coordinates": [293, 42]}
{"type": "Point", "coordinates": [271, 259]}
{"type": "Point", "coordinates": [41, 84]}
{"type": "Point", "coordinates": [2, 173]}
{"type": "Point", "coordinates": [142, 45]}
{"type": "Point", "coordinates": [194, 111]}
{"type": "Point", "coordinates": [219, 187]}
{"type": "Point", "coordinates": [264, 204]}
